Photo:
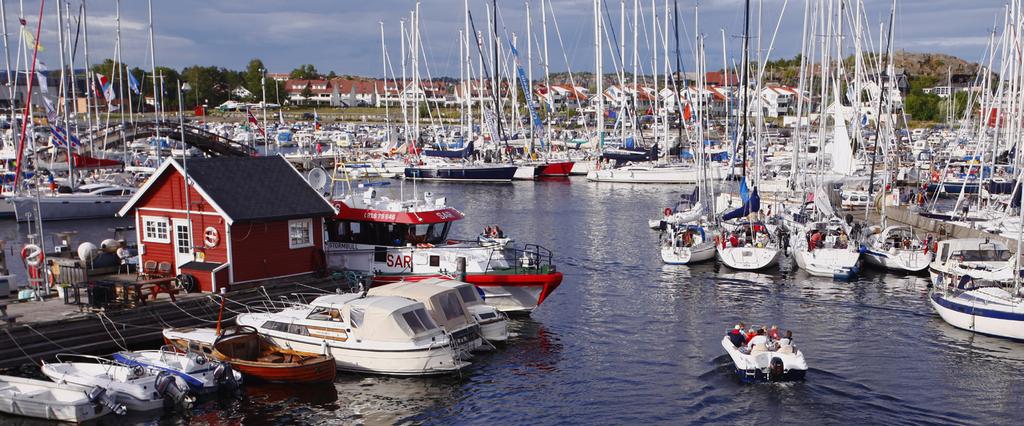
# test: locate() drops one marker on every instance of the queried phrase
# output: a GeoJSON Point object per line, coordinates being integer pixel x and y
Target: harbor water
{"type": "Point", "coordinates": [628, 340]}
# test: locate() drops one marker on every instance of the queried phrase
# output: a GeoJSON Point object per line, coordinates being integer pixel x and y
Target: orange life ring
{"type": "Point", "coordinates": [668, 211]}
{"type": "Point", "coordinates": [424, 245]}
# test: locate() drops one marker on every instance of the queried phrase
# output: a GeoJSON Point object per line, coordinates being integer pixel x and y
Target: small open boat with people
{"type": "Point", "coordinates": [135, 387]}
{"type": "Point", "coordinates": [253, 355]}
{"type": "Point", "coordinates": [54, 401]}
{"type": "Point", "coordinates": [764, 356]}
{"type": "Point", "coordinates": [897, 248]}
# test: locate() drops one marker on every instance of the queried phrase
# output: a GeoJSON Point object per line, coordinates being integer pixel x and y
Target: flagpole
{"type": "Point", "coordinates": [263, 88]}
{"type": "Point", "coordinates": [118, 68]}
{"type": "Point", "coordinates": [71, 49]}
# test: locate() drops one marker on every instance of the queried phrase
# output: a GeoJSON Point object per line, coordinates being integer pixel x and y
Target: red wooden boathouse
{"type": "Point", "coordinates": [243, 219]}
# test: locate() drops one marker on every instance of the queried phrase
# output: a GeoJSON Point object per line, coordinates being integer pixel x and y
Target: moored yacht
{"type": "Point", "coordinates": [376, 334]}
{"type": "Point", "coordinates": [825, 249]}
{"type": "Point", "coordinates": [980, 258]}
{"type": "Point", "coordinates": [444, 306]}
{"type": "Point", "coordinates": [897, 248]}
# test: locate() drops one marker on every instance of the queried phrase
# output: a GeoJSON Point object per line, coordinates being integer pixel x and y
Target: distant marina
{"type": "Point", "coordinates": [830, 239]}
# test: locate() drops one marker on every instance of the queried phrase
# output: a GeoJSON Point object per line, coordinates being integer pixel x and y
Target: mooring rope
{"type": "Point", "coordinates": [124, 343]}
{"type": "Point", "coordinates": [20, 348]}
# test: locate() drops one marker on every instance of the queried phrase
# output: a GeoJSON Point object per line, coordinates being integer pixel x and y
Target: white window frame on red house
{"type": "Point", "coordinates": [309, 233]}
{"type": "Point", "coordinates": [146, 220]}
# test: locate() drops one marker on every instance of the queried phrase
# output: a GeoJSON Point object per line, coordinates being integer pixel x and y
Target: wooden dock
{"type": "Point", "coordinates": [44, 329]}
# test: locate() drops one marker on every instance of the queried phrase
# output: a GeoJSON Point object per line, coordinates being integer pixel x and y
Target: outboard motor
{"type": "Point", "coordinates": [175, 388]}
{"type": "Point", "coordinates": [776, 369]}
{"type": "Point", "coordinates": [98, 395]}
{"type": "Point", "coordinates": [225, 376]}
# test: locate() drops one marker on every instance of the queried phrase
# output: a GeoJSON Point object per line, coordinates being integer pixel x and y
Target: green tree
{"type": "Point", "coordinates": [253, 77]}
{"type": "Point", "coordinates": [305, 72]}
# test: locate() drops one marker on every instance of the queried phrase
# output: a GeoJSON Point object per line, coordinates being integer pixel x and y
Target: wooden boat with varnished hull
{"type": "Point", "coordinates": [254, 356]}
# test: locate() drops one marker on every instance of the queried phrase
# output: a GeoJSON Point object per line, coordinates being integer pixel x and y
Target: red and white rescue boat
{"type": "Point", "coordinates": [408, 240]}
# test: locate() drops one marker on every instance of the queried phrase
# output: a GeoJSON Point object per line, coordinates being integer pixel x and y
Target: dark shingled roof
{"type": "Point", "coordinates": [257, 188]}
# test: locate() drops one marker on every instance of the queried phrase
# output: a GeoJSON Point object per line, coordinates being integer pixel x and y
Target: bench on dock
{"type": "Point", "coordinates": [155, 286]}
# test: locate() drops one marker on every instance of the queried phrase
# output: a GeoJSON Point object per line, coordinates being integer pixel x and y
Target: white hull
{"type": "Point", "coordinates": [400, 360]}
{"type": "Point", "coordinates": [512, 299]}
{"type": "Point", "coordinates": [899, 260]}
{"type": "Point", "coordinates": [525, 173]}
{"type": "Point", "coordinates": [749, 258]}
{"type": "Point", "coordinates": [47, 400]}
{"type": "Point", "coordinates": [688, 255]}
{"type": "Point", "coordinates": [495, 331]}
{"type": "Point", "coordinates": [645, 175]}
{"type": "Point", "coordinates": [829, 263]}
{"type": "Point", "coordinates": [581, 168]}
{"type": "Point", "coordinates": [136, 394]}
{"type": "Point", "coordinates": [979, 315]}
{"type": "Point", "coordinates": [756, 367]}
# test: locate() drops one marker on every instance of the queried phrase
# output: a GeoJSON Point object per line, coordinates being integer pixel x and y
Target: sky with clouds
{"type": "Point", "coordinates": [345, 35]}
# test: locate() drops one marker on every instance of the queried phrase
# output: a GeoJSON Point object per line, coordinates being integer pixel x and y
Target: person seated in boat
{"type": "Point", "coordinates": [498, 233]}
{"type": "Point", "coordinates": [773, 333]}
{"type": "Point", "coordinates": [761, 239]}
{"type": "Point", "coordinates": [734, 241]}
{"type": "Point", "coordinates": [759, 339]}
{"type": "Point", "coordinates": [487, 232]}
{"type": "Point", "coordinates": [736, 336]}
{"type": "Point", "coordinates": [687, 238]}
{"type": "Point", "coordinates": [787, 339]}
{"type": "Point", "coordinates": [813, 241]}
{"type": "Point", "coordinates": [751, 333]}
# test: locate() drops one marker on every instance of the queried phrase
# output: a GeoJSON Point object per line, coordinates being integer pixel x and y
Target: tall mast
{"type": "Point", "coordinates": [90, 99]}
{"type": "Point", "coordinates": [63, 92]}
{"type": "Point", "coordinates": [497, 72]}
{"type": "Point", "coordinates": [7, 55]}
{"type": "Point", "coordinates": [744, 97]}
{"type": "Point", "coordinates": [654, 66]}
{"type": "Point", "coordinates": [120, 78]}
{"type": "Point", "coordinates": [882, 87]}
{"type": "Point", "coordinates": [467, 82]}
{"type": "Point", "coordinates": [598, 73]}
{"type": "Point", "coordinates": [152, 70]}
{"type": "Point", "coordinates": [547, 74]}
{"type": "Point", "coordinates": [529, 65]}
{"type": "Point", "coordinates": [384, 89]}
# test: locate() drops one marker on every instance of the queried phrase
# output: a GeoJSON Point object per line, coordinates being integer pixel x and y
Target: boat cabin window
{"type": "Point", "coordinates": [418, 321]}
{"type": "Point", "coordinates": [944, 252]}
{"type": "Point", "coordinates": [286, 328]}
{"type": "Point", "coordinates": [984, 254]}
{"type": "Point", "coordinates": [387, 234]}
{"type": "Point", "coordinates": [468, 294]}
{"type": "Point", "coordinates": [450, 306]}
{"type": "Point", "coordinates": [321, 313]}
{"type": "Point", "coordinates": [356, 317]}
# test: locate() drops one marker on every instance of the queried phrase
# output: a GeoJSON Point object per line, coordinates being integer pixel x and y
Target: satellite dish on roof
{"type": "Point", "coordinates": [317, 179]}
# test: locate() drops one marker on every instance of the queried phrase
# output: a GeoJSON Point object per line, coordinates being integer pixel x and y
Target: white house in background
{"type": "Point", "coordinates": [563, 96]}
{"type": "Point", "coordinates": [775, 101]}
{"type": "Point", "coordinates": [321, 92]}
{"type": "Point", "coordinates": [241, 92]}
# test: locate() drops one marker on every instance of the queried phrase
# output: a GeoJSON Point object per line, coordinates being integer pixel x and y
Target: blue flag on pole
{"type": "Point", "coordinates": [133, 84]}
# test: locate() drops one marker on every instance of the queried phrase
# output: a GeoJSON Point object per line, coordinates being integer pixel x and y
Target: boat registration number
{"type": "Point", "coordinates": [747, 253]}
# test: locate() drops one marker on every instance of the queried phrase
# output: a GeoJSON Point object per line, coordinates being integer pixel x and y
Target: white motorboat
{"type": "Point", "coordinates": [980, 258]}
{"type": "Point", "coordinates": [749, 246]}
{"type": "Point", "coordinates": [974, 305]}
{"type": "Point", "coordinates": [896, 248]}
{"type": "Point", "coordinates": [52, 401]}
{"type": "Point", "coordinates": [201, 373]}
{"type": "Point", "coordinates": [444, 306]}
{"type": "Point", "coordinates": [380, 334]}
{"type": "Point", "coordinates": [493, 323]}
{"type": "Point", "coordinates": [137, 388]}
{"type": "Point", "coordinates": [824, 249]}
{"type": "Point", "coordinates": [766, 364]}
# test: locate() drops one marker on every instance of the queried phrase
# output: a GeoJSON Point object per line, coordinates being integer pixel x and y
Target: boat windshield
{"type": "Point", "coordinates": [451, 307]}
{"type": "Point", "coordinates": [418, 321]}
{"type": "Point", "coordinates": [468, 294]}
{"type": "Point", "coordinates": [387, 234]}
{"type": "Point", "coordinates": [984, 255]}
